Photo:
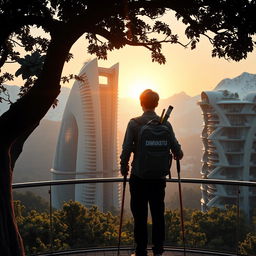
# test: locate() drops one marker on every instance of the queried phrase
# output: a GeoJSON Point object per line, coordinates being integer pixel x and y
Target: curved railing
{"type": "Point", "coordinates": [117, 179]}
{"type": "Point", "coordinates": [178, 248]}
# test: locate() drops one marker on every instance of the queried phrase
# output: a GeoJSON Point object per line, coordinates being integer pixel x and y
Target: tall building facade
{"type": "Point", "coordinates": [87, 143]}
{"type": "Point", "coordinates": [229, 148]}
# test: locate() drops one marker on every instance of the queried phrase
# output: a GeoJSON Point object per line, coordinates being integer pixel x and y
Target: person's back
{"type": "Point", "coordinates": [145, 189]}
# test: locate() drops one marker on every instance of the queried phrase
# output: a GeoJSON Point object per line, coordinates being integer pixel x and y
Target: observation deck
{"type": "Point", "coordinates": [128, 252]}
{"type": "Point", "coordinates": [214, 231]}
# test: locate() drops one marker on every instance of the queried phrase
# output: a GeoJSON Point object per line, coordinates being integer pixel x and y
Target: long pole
{"type": "Point", "coordinates": [181, 207]}
{"type": "Point", "coordinates": [121, 216]}
{"type": "Point", "coordinates": [163, 120]}
{"type": "Point", "coordinates": [51, 227]}
{"type": "Point", "coordinates": [237, 220]}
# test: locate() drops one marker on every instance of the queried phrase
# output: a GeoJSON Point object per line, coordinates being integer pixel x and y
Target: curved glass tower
{"type": "Point", "coordinates": [87, 144]}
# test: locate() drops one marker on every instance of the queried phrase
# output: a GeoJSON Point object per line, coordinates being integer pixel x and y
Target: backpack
{"type": "Point", "coordinates": [153, 150]}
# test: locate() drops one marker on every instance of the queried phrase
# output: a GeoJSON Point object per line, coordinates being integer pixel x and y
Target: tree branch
{"type": "Point", "coordinates": [49, 24]}
{"type": "Point", "coordinates": [113, 37]}
{"type": "Point", "coordinates": [4, 54]}
{"type": "Point", "coordinates": [6, 100]}
{"type": "Point", "coordinates": [15, 42]}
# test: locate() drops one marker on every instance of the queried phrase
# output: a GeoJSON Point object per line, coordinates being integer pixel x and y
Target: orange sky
{"type": "Point", "coordinates": [185, 70]}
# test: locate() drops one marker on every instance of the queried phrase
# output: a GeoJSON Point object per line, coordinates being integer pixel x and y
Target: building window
{"type": "Point", "coordinates": [103, 80]}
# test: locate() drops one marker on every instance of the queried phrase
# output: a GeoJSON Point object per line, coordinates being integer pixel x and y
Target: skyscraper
{"type": "Point", "coordinates": [229, 141]}
{"type": "Point", "coordinates": [87, 144]}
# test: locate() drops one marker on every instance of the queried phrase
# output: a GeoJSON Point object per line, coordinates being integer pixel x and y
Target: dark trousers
{"type": "Point", "coordinates": [144, 192]}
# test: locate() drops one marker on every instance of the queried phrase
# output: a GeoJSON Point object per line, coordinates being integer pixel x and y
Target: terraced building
{"type": "Point", "coordinates": [229, 148]}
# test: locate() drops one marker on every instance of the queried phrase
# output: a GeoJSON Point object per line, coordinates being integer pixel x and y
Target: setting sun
{"type": "Point", "coordinates": [139, 85]}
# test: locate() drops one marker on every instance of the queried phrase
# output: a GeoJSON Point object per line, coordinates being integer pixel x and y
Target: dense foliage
{"type": "Point", "coordinates": [75, 226]}
{"type": "Point", "coordinates": [229, 26]}
{"type": "Point", "coordinates": [31, 201]}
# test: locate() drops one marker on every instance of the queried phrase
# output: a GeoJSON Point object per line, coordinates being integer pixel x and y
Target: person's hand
{"type": "Point", "coordinates": [178, 156]}
{"type": "Point", "coordinates": [124, 170]}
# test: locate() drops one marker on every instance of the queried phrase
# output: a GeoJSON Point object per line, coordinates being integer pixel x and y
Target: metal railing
{"type": "Point", "coordinates": [184, 181]}
{"type": "Point", "coordinates": [117, 179]}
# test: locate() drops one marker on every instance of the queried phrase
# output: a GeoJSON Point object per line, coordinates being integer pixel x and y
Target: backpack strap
{"type": "Point", "coordinates": [143, 122]}
{"type": "Point", "coordinates": [138, 120]}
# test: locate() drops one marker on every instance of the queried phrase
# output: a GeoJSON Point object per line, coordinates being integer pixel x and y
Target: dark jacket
{"type": "Point", "coordinates": [131, 140]}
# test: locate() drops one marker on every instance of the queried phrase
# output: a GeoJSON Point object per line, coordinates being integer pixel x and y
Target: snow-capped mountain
{"type": "Point", "coordinates": [242, 84]}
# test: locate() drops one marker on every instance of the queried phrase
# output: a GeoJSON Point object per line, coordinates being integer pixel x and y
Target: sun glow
{"type": "Point", "coordinates": [139, 85]}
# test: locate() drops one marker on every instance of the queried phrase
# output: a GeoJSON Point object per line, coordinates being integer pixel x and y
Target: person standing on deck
{"type": "Point", "coordinates": [145, 190]}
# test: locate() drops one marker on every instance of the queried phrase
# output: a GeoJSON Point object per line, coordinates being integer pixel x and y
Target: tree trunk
{"type": "Point", "coordinates": [17, 124]}
{"type": "Point", "coordinates": [10, 240]}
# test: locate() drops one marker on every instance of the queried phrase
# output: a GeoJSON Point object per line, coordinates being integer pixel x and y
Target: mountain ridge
{"type": "Point", "coordinates": [242, 84]}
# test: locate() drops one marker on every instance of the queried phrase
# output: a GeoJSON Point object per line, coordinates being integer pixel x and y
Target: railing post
{"type": "Point", "coordinates": [181, 208]}
{"type": "Point", "coordinates": [51, 228]}
{"type": "Point", "coordinates": [237, 219]}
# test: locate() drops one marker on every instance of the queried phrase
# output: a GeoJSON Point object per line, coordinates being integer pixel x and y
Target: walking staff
{"type": "Point", "coordinates": [163, 120]}
{"type": "Point", "coordinates": [181, 207]}
{"type": "Point", "coordinates": [121, 216]}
